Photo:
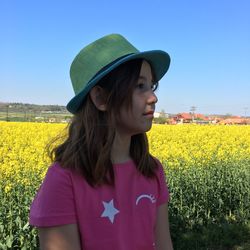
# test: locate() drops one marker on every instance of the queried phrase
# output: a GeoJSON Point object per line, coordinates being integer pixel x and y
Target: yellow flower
{"type": "Point", "coordinates": [7, 188]}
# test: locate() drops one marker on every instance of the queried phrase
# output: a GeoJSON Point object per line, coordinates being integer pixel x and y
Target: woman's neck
{"type": "Point", "coordinates": [121, 149]}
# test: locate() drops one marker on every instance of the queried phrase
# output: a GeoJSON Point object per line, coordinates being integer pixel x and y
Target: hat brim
{"type": "Point", "coordinates": [158, 59]}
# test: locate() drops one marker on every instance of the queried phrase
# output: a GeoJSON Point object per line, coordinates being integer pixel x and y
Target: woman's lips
{"type": "Point", "coordinates": [149, 114]}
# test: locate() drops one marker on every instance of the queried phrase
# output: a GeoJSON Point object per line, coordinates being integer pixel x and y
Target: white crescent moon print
{"type": "Point", "coordinates": [147, 196]}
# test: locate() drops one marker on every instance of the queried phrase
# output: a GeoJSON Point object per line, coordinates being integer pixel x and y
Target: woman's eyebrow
{"type": "Point", "coordinates": [143, 78]}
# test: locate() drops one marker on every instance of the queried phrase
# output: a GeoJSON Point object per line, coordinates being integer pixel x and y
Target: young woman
{"type": "Point", "coordinates": [104, 190]}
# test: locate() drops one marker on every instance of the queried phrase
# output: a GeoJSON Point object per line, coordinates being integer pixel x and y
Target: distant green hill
{"type": "Point", "coordinates": [21, 107]}
{"type": "Point", "coordinates": [33, 112]}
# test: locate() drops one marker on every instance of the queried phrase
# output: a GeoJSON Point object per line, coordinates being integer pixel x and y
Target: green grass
{"type": "Point", "coordinates": [210, 207]}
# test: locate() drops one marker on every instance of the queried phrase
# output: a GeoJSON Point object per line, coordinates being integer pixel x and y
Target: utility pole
{"type": "Point", "coordinates": [192, 110]}
{"type": "Point", "coordinates": [245, 109]}
{"type": "Point", "coordinates": [7, 113]}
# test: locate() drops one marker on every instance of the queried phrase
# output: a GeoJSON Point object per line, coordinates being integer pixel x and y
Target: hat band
{"type": "Point", "coordinates": [109, 65]}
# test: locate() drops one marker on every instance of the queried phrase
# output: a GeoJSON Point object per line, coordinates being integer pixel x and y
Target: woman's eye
{"type": "Point", "coordinates": [146, 87]}
{"type": "Point", "coordinates": [141, 85]}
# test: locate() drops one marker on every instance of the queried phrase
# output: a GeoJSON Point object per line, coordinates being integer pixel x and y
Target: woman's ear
{"type": "Point", "coordinates": [98, 97]}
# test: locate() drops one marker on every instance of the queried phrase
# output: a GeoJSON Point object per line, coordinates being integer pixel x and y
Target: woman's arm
{"type": "Point", "coordinates": [59, 238]}
{"type": "Point", "coordinates": [162, 233]}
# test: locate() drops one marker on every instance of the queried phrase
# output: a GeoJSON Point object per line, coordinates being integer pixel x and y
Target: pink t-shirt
{"type": "Point", "coordinates": [120, 217]}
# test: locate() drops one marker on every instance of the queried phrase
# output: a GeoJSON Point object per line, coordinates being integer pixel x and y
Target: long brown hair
{"type": "Point", "coordinates": [91, 133]}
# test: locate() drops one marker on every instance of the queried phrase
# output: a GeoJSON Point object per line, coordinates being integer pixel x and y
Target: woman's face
{"type": "Point", "coordinates": [138, 118]}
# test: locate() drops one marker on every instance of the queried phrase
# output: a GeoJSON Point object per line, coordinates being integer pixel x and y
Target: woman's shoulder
{"type": "Point", "coordinates": [159, 166]}
{"type": "Point", "coordinates": [157, 161]}
{"type": "Point", "coordinates": [56, 173]}
{"type": "Point", "coordinates": [56, 167]}
{"type": "Point", "coordinates": [160, 171]}
{"type": "Point", "coordinates": [65, 175]}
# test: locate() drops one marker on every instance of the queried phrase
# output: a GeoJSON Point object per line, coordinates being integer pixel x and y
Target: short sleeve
{"type": "Point", "coordinates": [162, 183]}
{"type": "Point", "coordinates": [54, 203]}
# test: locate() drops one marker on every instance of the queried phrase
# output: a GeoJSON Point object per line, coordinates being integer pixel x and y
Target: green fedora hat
{"type": "Point", "coordinates": [99, 58]}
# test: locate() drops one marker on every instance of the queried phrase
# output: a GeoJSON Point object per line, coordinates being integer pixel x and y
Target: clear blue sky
{"type": "Point", "coordinates": [208, 41]}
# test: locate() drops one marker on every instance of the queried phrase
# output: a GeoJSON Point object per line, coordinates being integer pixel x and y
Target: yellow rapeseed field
{"type": "Point", "coordinates": [22, 151]}
{"type": "Point", "coordinates": [197, 145]}
{"type": "Point", "coordinates": [22, 147]}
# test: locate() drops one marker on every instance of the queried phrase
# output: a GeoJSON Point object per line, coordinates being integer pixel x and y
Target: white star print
{"type": "Point", "coordinates": [109, 210]}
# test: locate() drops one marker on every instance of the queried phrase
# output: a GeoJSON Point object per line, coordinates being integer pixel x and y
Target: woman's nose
{"type": "Point", "coordinates": [152, 98]}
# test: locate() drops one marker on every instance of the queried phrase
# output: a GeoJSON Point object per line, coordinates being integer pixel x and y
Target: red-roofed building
{"type": "Point", "coordinates": [191, 118]}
